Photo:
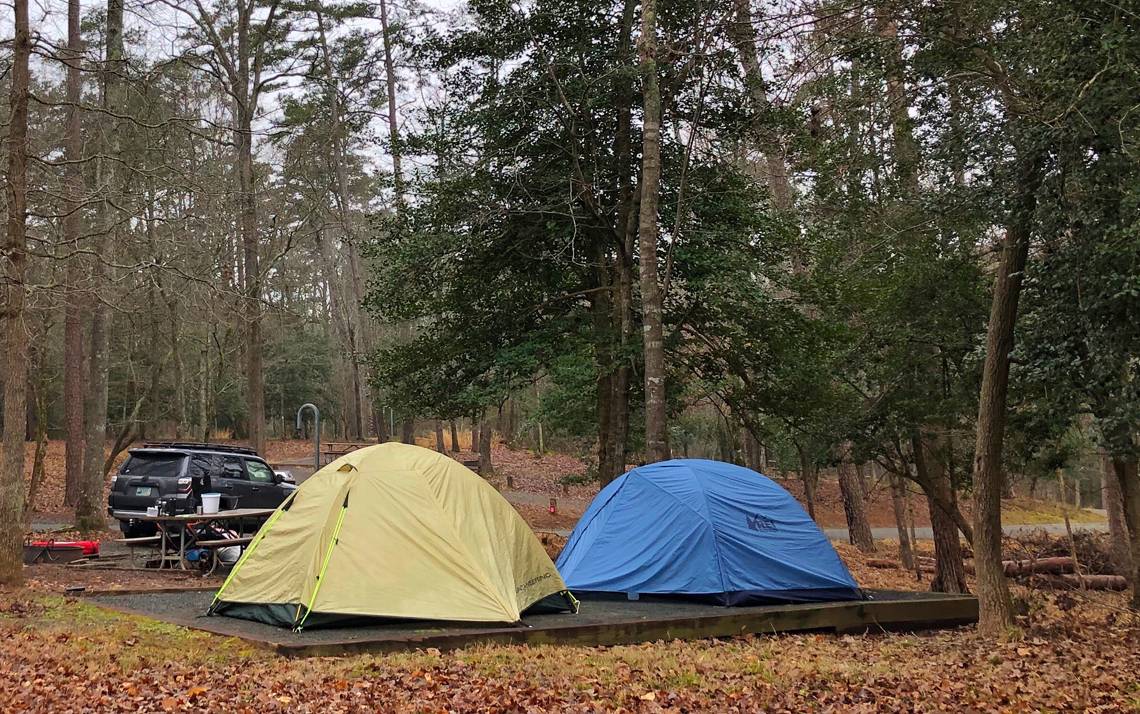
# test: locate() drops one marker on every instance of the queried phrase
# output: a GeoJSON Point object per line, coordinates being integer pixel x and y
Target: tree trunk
{"type": "Point", "coordinates": [602, 315]}
{"type": "Point", "coordinates": [89, 515]}
{"type": "Point", "coordinates": [454, 437]}
{"type": "Point", "coordinates": [898, 502]}
{"type": "Point", "coordinates": [486, 468]}
{"type": "Point", "coordinates": [475, 433]}
{"type": "Point", "coordinates": [775, 168]}
{"type": "Point", "coordinates": [1117, 525]}
{"type": "Point", "coordinates": [439, 436]}
{"type": "Point", "coordinates": [245, 99]}
{"type": "Point", "coordinates": [15, 336]}
{"type": "Point", "coordinates": [383, 433]}
{"type": "Point", "coordinates": [338, 308]}
{"type": "Point", "coordinates": [619, 383]}
{"type": "Point", "coordinates": [626, 230]}
{"type": "Point", "coordinates": [394, 148]}
{"type": "Point", "coordinates": [858, 528]}
{"type": "Point", "coordinates": [39, 457]}
{"type": "Point", "coordinates": [255, 377]}
{"type": "Point", "coordinates": [864, 484]}
{"type": "Point", "coordinates": [74, 355]}
{"type": "Point", "coordinates": [995, 604]}
{"type": "Point", "coordinates": [89, 508]}
{"type": "Point", "coordinates": [408, 431]}
{"type": "Point", "coordinates": [352, 328]}
{"type": "Point", "coordinates": [656, 427]}
{"type": "Point", "coordinates": [754, 450]}
{"type": "Point", "coordinates": [1129, 480]}
{"type": "Point", "coordinates": [949, 572]}
{"type": "Point", "coordinates": [810, 478]}
{"type": "Point", "coordinates": [906, 155]}
{"type": "Point", "coordinates": [203, 425]}
{"type": "Point", "coordinates": [1007, 485]}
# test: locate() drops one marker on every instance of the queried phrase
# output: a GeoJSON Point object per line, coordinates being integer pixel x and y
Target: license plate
{"type": "Point", "coordinates": [144, 491]}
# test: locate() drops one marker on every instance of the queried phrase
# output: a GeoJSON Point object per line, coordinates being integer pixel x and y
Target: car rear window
{"type": "Point", "coordinates": [155, 465]}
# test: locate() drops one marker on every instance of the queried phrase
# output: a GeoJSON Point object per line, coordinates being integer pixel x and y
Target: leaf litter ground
{"type": "Point", "coordinates": [1073, 651]}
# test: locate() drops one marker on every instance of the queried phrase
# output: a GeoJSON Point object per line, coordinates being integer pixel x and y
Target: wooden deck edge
{"type": "Point", "coordinates": [936, 611]}
{"type": "Point", "coordinates": [854, 617]}
{"type": "Point", "coordinates": [104, 592]}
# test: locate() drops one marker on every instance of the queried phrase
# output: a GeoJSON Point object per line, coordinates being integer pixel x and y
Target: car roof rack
{"type": "Point", "coordinates": [199, 446]}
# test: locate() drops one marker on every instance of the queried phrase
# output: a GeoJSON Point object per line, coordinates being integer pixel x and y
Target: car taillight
{"type": "Point", "coordinates": [184, 485]}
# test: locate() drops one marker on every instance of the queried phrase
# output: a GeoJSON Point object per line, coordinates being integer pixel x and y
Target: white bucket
{"type": "Point", "coordinates": [210, 502]}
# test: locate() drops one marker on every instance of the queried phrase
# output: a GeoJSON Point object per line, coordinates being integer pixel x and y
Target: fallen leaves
{"type": "Point", "coordinates": [1077, 651]}
{"type": "Point", "coordinates": [1082, 658]}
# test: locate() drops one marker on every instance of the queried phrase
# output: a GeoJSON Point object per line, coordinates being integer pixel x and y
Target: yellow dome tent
{"type": "Point", "coordinates": [392, 530]}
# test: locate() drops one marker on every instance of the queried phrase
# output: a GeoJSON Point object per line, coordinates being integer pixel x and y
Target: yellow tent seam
{"type": "Point", "coordinates": [461, 545]}
{"type": "Point", "coordinates": [261, 533]}
{"type": "Point", "coordinates": [324, 565]}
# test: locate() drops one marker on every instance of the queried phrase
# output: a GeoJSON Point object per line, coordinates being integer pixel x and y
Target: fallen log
{"type": "Point", "coordinates": [1040, 566]}
{"type": "Point", "coordinates": [883, 564]}
{"type": "Point", "coordinates": [1095, 582]}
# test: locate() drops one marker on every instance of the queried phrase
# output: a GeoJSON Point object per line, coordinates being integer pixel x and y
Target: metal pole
{"type": "Point", "coordinates": [316, 431]}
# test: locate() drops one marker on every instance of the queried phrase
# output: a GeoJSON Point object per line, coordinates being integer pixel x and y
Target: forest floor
{"type": "Point", "coordinates": [1071, 651]}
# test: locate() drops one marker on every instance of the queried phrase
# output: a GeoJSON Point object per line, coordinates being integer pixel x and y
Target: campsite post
{"type": "Point", "coordinates": [316, 432]}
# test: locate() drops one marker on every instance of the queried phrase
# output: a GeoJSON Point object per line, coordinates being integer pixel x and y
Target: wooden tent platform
{"type": "Point", "coordinates": [600, 622]}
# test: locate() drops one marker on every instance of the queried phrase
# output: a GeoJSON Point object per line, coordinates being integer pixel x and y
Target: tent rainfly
{"type": "Point", "coordinates": [394, 531]}
{"type": "Point", "coordinates": [702, 528]}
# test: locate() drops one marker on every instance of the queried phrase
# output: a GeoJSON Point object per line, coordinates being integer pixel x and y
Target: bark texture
{"type": "Point", "coordinates": [1117, 525]}
{"type": "Point", "coordinates": [854, 507]}
{"type": "Point", "coordinates": [89, 507]}
{"type": "Point", "coordinates": [74, 315]}
{"type": "Point", "coordinates": [653, 335]}
{"type": "Point", "coordinates": [486, 468]}
{"type": "Point", "coordinates": [810, 477]}
{"type": "Point", "coordinates": [1129, 479]}
{"type": "Point", "coordinates": [15, 329]}
{"type": "Point", "coordinates": [932, 476]}
{"type": "Point", "coordinates": [775, 167]}
{"type": "Point", "coordinates": [898, 503]}
{"type": "Point", "coordinates": [358, 386]}
{"type": "Point", "coordinates": [996, 606]}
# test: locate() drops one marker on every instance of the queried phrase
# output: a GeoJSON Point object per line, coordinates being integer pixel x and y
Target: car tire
{"type": "Point", "coordinates": [137, 530]}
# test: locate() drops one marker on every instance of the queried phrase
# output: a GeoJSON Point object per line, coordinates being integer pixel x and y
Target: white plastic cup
{"type": "Point", "coordinates": [211, 502]}
{"type": "Point", "coordinates": [152, 510]}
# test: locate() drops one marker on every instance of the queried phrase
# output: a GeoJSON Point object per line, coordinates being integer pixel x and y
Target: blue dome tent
{"type": "Point", "coordinates": [702, 528]}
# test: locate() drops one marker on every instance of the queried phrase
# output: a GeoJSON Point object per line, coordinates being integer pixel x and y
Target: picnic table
{"type": "Point", "coordinates": [181, 533]}
{"type": "Point", "coordinates": [332, 450]}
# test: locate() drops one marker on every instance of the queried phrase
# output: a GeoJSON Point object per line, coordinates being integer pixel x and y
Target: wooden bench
{"type": "Point", "coordinates": [212, 545]}
{"type": "Point", "coordinates": [137, 542]}
{"type": "Point", "coordinates": [154, 541]}
{"type": "Point", "coordinates": [224, 542]}
{"type": "Point", "coordinates": [332, 450]}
